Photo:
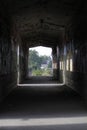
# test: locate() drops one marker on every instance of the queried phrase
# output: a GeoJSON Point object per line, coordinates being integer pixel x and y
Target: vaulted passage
{"type": "Point", "coordinates": [45, 102]}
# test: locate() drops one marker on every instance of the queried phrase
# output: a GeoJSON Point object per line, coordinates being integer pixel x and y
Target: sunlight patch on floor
{"type": "Point", "coordinates": [43, 121]}
{"type": "Point", "coordinates": [48, 85]}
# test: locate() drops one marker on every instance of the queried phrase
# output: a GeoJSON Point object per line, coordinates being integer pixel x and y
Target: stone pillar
{"type": "Point", "coordinates": [26, 62]}
{"type": "Point", "coordinates": [26, 52]}
{"type": "Point", "coordinates": [55, 64]}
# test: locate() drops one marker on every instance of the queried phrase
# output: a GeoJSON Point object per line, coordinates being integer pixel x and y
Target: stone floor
{"type": "Point", "coordinates": [43, 108]}
{"type": "Point", "coordinates": [40, 80]}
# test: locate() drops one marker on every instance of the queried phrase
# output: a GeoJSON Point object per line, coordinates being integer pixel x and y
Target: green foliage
{"type": "Point", "coordinates": [40, 72]}
{"type": "Point", "coordinates": [37, 72]}
{"type": "Point", "coordinates": [47, 72]}
{"type": "Point", "coordinates": [35, 62]}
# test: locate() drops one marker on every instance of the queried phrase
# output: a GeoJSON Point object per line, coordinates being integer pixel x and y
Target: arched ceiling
{"type": "Point", "coordinates": [42, 20]}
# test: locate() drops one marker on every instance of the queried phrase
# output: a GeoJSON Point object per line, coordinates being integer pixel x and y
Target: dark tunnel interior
{"type": "Point", "coordinates": [57, 102]}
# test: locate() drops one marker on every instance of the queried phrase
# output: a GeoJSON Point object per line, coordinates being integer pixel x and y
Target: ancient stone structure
{"type": "Point", "coordinates": [59, 24]}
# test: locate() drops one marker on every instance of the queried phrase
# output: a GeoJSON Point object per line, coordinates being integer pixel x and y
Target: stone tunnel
{"type": "Point", "coordinates": [62, 26]}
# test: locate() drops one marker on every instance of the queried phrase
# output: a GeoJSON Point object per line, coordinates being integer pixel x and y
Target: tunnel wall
{"type": "Point", "coordinates": [8, 57]}
{"type": "Point", "coordinates": [55, 62]}
{"type": "Point", "coordinates": [75, 62]}
{"type": "Point", "coordinates": [20, 52]}
{"type": "Point", "coordinates": [9, 66]}
{"type": "Point", "coordinates": [73, 55]}
{"type": "Point", "coordinates": [22, 62]}
{"type": "Point", "coordinates": [61, 63]}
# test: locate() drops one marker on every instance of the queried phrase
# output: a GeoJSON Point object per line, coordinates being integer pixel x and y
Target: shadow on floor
{"type": "Point", "coordinates": [40, 80]}
{"type": "Point", "coordinates": [28, 103]}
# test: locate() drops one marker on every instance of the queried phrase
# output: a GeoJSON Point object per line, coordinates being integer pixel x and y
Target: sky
{"type": "Point", "coordinates": [43, 50]}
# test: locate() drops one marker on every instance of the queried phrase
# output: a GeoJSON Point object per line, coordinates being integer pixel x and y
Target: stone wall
{"type": "Point", "coordinates": [8, 58]}
{"type": "Point", "coordinates": [73, 56]}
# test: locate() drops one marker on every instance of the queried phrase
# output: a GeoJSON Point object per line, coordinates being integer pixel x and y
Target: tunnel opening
{"type": "Point", "coordinates": [40, 62]}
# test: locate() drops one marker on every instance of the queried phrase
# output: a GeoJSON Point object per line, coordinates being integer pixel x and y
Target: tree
{"type": "Point", "coordinates": [35, 62]}
{"type": "Point", "coordinates": [34, 59]}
